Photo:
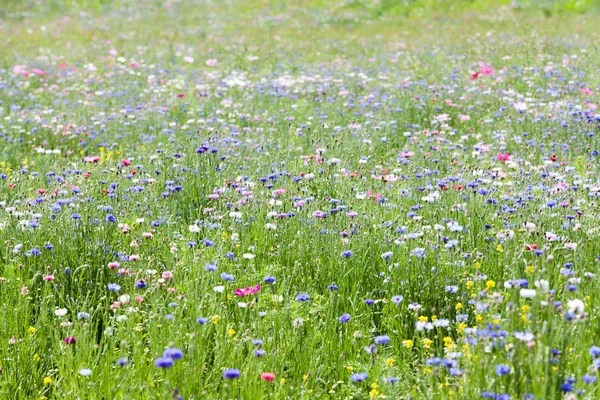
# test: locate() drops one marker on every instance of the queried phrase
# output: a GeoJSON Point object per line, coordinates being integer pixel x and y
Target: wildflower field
{"type": "Point", "coordinates": [299, 200]}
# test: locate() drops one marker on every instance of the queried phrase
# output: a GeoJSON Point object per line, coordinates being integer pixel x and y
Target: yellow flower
{"type": "Point", "coordinates": [427, 342]}
{"type": "Point", "coordinates": [525, 308]}
{"type": "Point", "coordinates": [434, 318]}
{"type": "Point", "coordinates": [458, 306]}
{"type": "Point", "coordinates": [490, 284]}
{"type": "Point", "coordinates": [282, 380]}
{"type": "Point", "coordinates": [389, 362]}
{"type": "Point", "coordinates": [31, 330]}
{"type": "Point", "coordinates": [495, 321]}
{"type": "Point", "coordinates": [524, 318]}
{"type": "Point", "coordinates": [373, 393]}
{"type": "Point", "coordinates": [423, 318]}
{"type": "Point", "coordinates": [350, 368]}
{"type": "Point", "coordinates": [499, 248]}
{"type": "Point", "coordinates": [36, 357]}
{"type": "Point", "coordinates": [447, 341]}
{"type": "Point", "coordinates": [469, 284]}
{"type": "Point", "coordinates": [216, 319]}
{"type": "Point", "coordinates": [530, 269]}
{"type": "Point", "coordinates": [407, 343]}
{"type": "Point", "coordinates": [47, 380]}
{"type": "Point", "coordinates": [479, 318]}
{"type": "Point", "coordinates": [305, 378]}
{"type": "Point", "coordinates": [461, 326]}
{"type": "Point", "coordinates": [230, 332]}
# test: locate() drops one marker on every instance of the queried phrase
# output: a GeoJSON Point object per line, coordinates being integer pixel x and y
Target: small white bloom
{"type": "Point", "coordinates": [527, 293]}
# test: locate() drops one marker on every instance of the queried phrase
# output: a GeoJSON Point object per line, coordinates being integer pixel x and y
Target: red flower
{"type": "Point", "coordinates": [267, 376]}
{"type": "Point", "coordinates": [125, 162]}
{"type": "Point", "coordinates": [530, 247]}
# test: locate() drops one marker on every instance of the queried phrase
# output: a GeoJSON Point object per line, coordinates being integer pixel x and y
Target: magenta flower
{"type": "Point", "coordinates": [247, 291]}
{"type": "Point", "coordinates": [503, 157]}
{"type": "Point", "coordinates": [70, 340]}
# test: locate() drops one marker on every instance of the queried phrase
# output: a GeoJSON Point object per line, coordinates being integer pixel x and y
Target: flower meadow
{"type": "Point", "coordinates": [222, 201]}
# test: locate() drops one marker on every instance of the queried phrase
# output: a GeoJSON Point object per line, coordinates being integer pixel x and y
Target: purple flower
{"type": "Point", "coordinates": [345, 318]}
{"type": "Point", "coordinates": [202, 320]}
{"type": "Point", "coordinates": [269, 279]}
{"type": "Point", "coordinates": [70, 340]}
{"type": "Point", "coordinates": [113, 287]}
{"type": "Point", "coordinates": [346, 253]}
{"type": "Point", "coordinates": [502, 369]}
{"type": "Point", "coordinates": [173, 354]}
{"type": "Point", "coordinates": [382, 340]}
{"type": "Point", "coordinates": [123, 361]}
{"type": "Point", "coordinates": [358, 377]}
{"type": "Point", "coordinates": [231, 373]}
{"type": "Point", "coordinates": [163, 362]}
{"type": "Point", "coordinates": [303, 297]}
{"type": "Point", "coordinates": [397, 299]}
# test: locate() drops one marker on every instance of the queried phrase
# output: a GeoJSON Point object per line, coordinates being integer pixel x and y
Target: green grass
{"type": "Point", "coordinates": [321, 99]}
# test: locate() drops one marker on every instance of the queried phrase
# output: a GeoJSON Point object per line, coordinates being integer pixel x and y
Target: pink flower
{"type": "Point", "coordinates": [24, 291]}
{"type": "Point", "coordinates": [167, 275]}
{"type": "Point", "coordinates": [188, 59]}
{"type": "Point", "coordinates": [39, 72]}
{"type": "Point", "coordinates": [70, 340]}
{"type": "Point", "coordinates": [503, 157]}
{"type": "Point", "coordinates": [247, 291]}
{"type": "Point", "coordinates": [134, 257]}
{"type": "Point", "coordinates": [267, 376]}
{"type": "Point", "coordinates": [49, 278]}
{"type": "Point", "coordinates": [464, 118]}
{"type": "Point", "coordinates": [91, 159]}
{"type": "Point", "coordinates": [125, 162]}
{"type": "Point", "coordinates": [486, 69]}
{"type": "Point", "coordinates": [211, 62]}
{"type": "Point", "coordinates": [113, 265]}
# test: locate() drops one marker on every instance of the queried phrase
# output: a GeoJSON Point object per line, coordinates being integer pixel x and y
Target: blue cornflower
{"type": "Point", "coordinates": [231, 373]}
{"type": "Point", "coordinates": [141, 284]}
{"type": "Point", "coordinates": [594, 351]}
{"type": "Point", "coordinates": [358, 377]}
{"type": "Point", "coordinates": [345, 318]}
{"type": "Point", "coordinates": [173, 353]}
{"type": "Point", "coordinates": [382, 340]}
{"type": "Point", "coordinates": [387, 255]}
{"type": "Point", "coordinates": [369, 302]}
{"type": "Point", "coordinates": [123, 361]}
{"type": "Point", "coordinates": [83, 315]}
{"type": "Point", "coordinates": [502, 369]}
{"type": "Point", "coordinates": [588, 379]}
{"type": "Point", "coordinates": [210, 267]}
{"type": "Point", "coordinates": [226, 277]}
{"type": "Point", "coordinates": [269, 279]}
{"type": "Point", "coordinates": [259, 352]}
{"type": "Point", "coordinates": [332, 287]}
{"type": "Point", "coordinates": [113, 287]}
{"type": "Point", "coordinates": [202, 320]}
{"type": "Point", "coordinates": [346, 253]}
{"type": "Point", "coordinates": [163, 362]}
{"type": "Point", "coordinates": [397, 299]}
{"type": "Point", "coordinates": [302, 297]}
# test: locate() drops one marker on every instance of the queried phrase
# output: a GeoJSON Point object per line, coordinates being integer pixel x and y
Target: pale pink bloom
{"type": "Point", "coordinates": [49, 278]}
{"type": "Point", "coordinates": [113, 265]}
{"type": "Point", "coordinates": [171, 290]}
{"type": "Point", "coordinates": [464, 118]}
{"type": "Point", "coordinates": [134, 257]}
{"type": "Point", "coordinates": [147, 235]}
{"type": "Point", "coordinates": [24, 291]}
{"type": "Point", "coordinates": [139, 299]}
{"type": "Point", "coordinates": [188, 59]}
{"type": "Point", "coordinates": [211, 62]}
{"type": "Point", "coordinates": [486, 69]}
{"type": "Point", "coordinates": [247, 291]}
{"type": "Point", "coordinates": [167, 275]}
